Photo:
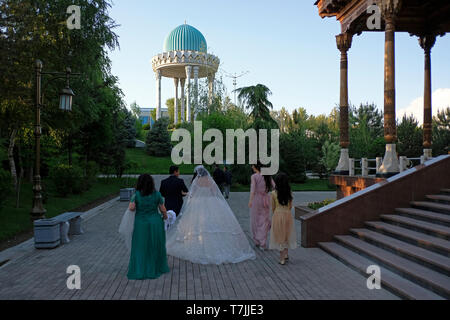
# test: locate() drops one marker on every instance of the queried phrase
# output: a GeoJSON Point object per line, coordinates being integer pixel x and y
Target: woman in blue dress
{"type": "Point", "coordinates": [148, 259]}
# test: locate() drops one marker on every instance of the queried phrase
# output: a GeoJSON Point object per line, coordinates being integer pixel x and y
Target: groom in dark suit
{"type": "Point", "coordinates": [173, 190]}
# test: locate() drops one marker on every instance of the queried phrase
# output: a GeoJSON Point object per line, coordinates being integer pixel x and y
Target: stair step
{"type": "Point", "coordinates": [432, 280]}
{"type": "Point", "coordinates": [447, 191]}
{"type": "Point", "coordinates": [433, 260]}
{"type": "Point", "coordinates": [418, 225]}
{"type": "Point", "coordinates": [439, 198]}
{"type": "Point", "coordinates": [440, 218]}
{"type": "Point", "coordinates": [389, 280]}
{"type": "Point", "coordinates": [433, 206]}
{"type": "Point", "coordinates": [417, 238]}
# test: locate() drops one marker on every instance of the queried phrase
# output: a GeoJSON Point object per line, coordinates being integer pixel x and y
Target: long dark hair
{"type": "Point", "coordinates": [267, 179]}
{"type": "Point", "coordinates": [283, 189]}
{"type": "Point", "coordinates": [145, 185]}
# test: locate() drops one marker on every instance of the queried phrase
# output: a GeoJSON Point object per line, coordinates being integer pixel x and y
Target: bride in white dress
{"type": "Point", "coordinates": [207, 231]}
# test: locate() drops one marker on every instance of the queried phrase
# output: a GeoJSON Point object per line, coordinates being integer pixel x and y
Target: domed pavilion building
{"type": "Point", "coordinates": [185, 57]}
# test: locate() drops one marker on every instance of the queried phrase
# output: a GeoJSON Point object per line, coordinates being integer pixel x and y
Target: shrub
{"type": "Point", "coordinates": [330, 158]}
{"type": "Point", "coordinates": [146, 126]}
{"type": "Point", "coordinates": [67, 179]}
{"type": "Point", "coordinates": [91, 170]}
{"type": "Point", "coordinates": [318, 205]}
{"type": "Point", "coordinates": [5, 186]}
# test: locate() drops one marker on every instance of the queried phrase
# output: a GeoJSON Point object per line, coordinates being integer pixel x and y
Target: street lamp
{"type": "Point", "coordinates": [65, 103]}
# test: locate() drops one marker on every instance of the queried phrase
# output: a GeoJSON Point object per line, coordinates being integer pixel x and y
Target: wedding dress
{"type": "Point", "coordinates": [207, 232]}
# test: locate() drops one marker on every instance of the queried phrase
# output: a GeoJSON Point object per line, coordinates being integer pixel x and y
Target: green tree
{"type": "Point", "coordinates": [158, 139]}
{"type": "Point", "coordinates": [410, 137]}
{"type": "Point", "coordinates": [330, 158]}
{"type": "Point", "coordinates": [366, 132]}
{"type": "Point", "coordinates": [256, 99]}
{"type": "Point", "coordinates": [441, 132]}
{"type": "Point", "coordinates": [171, 109]}
{"type": "Point", "coordinates": [296, 152]}
{"type": "Point", "coordinates": [32, 29]}
{"type": "Point", "coordinates": [5, 177]}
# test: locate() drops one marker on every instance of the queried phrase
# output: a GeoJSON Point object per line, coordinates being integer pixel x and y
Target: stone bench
{"type": "Point", "coordinates": [126, 194]}
{"type": "Point", "coordinates": [50, 233]}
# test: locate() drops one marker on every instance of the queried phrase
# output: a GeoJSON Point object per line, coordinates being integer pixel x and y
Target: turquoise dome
{"type": "Point", "coordinates": [185, 38]}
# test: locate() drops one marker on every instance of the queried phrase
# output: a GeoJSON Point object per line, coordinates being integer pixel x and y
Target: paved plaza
{"type": "Point", "coordinates": [103, 260]}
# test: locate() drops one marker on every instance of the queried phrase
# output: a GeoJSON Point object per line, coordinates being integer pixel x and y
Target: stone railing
{"type": "Point", "coordinates": [370, 167]}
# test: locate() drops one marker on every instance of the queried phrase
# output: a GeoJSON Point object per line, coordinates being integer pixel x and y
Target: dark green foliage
{"type": "Point", "coordinates": [5, 177]}
{"type": "Point", "coordinates": [5, 185]}
{"type": "Point", "coordinates": [67, 179]}
{"type": "Point", "coordinates": [410, 137]}
{"type": "Point", "coordinates": [241, 173]}
{"type": "Point", "coordinates": [158, 139]}
{"type": "Point", "coordinates": [366, 132]}
{"type": "Point", "coordinates": [296, 151]}
{"type": "Point", "coordinates": [90, 172]}
{"type": "Point", "coordinates": [256, 99]}
{"type": "Point", "coordinates": [441, 132]}
{"type": "Point", "coordinates": [130, 129]}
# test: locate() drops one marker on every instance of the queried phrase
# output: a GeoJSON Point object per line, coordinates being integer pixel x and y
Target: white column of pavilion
{"type": "Point", "coordinates": [158, 94]}
{"type": "Point", "coordinates": [188, 95]}
{"type": "Point", "coordinates": [211, 88]}
{"type": "Point", "coordinates": [196, 70]}
{"type": "Point", "coordinates": [183, 109]}
{"type": "Point", "coordinates": [175, 103]}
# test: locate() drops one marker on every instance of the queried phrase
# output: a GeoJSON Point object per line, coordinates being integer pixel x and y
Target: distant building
{"type": "Point", "coordinates": [146, 117]}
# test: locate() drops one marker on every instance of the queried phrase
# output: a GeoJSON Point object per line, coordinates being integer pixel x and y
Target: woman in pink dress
{"type": "Point", "coordinates": [259, 205]}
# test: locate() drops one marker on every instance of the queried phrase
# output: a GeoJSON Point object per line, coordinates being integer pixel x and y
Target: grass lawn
{"type": "Point", "coordinates": [309, 185]}
{"type": "Point", "coordinates": [17, 220]}
{"type": "Point", "coordinates": [153, 165]}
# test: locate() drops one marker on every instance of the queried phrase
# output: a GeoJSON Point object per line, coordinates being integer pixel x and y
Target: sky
{"type": "Point", "coordinates": [284, 45]}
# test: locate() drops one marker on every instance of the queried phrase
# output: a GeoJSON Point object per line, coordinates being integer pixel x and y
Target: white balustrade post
{"type": "Point", "coordinates": [351, 167]}
{"type": "Point", "coordinates": [364, 167]}
{"type": "Point", "coordinates": [403, 163]}
{"type": "Point", "coordinates": [379, 161]}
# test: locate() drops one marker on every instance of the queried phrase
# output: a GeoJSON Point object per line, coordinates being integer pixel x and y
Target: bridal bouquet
{"type": "Point", "coordinates": [171, 218]}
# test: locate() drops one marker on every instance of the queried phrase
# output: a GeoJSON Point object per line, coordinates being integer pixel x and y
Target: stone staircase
{"type": "Point", "coordinates": [411, 247]}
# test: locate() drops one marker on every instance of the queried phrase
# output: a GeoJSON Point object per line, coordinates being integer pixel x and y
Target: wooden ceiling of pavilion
{"type": "Point", "coordinates": [418, 17]}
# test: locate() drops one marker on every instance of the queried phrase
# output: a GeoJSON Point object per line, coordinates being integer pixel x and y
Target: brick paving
{"type": "Point", "coordinates": [103, 260]}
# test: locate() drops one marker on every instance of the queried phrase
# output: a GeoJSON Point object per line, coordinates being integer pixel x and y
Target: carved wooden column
{"type": "Point", "coordinates": [344, 42]}
{"type": "Point", "coordinates": [390, 166]}
{"type": "Point", "coordinates": [427, 42]}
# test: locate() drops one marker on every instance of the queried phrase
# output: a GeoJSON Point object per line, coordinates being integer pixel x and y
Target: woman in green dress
{"type": "Point", "coordinates": [148, 259]}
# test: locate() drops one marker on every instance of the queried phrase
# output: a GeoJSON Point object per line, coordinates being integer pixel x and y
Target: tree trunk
{"type": "Point", "coordinates": [19, 187]}
{"type": "Point", "coordinates": [12, 164]}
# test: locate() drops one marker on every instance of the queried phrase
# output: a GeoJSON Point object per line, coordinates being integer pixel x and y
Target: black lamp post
{"type": "Point", "coordinates": [65, 103]}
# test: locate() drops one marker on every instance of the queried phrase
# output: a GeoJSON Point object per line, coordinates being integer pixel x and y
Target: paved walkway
{"type": "Point", "coordinates": [103, 259]}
